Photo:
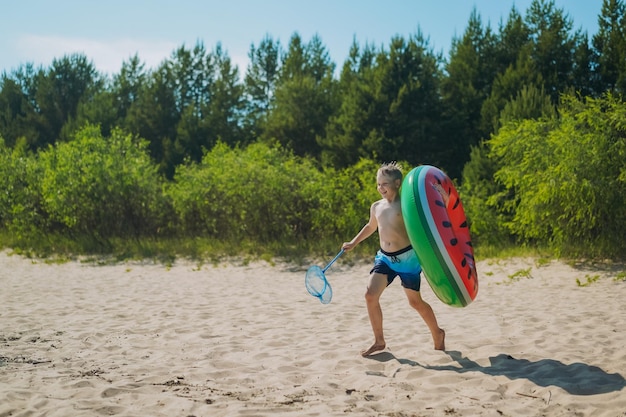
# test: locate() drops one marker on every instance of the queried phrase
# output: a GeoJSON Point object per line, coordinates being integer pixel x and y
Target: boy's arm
{"type": "Point", "coordinates": [365, 232]}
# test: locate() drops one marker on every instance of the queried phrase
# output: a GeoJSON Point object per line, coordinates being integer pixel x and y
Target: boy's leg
{"type": "Point", "coordinates": [428, 315]}
{"type": "Point", "coordinates": [375, 288]}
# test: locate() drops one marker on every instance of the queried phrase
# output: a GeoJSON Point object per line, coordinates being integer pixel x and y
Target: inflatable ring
{"type": "Point", "coordinates": [437, 227]}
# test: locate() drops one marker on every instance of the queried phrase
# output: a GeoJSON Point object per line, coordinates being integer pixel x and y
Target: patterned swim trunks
{"type": "Point", "coordinates": [402, 263]}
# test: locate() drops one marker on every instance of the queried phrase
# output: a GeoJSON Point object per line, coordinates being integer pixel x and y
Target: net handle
{"type": "Point", "coordinates": [333, 261]}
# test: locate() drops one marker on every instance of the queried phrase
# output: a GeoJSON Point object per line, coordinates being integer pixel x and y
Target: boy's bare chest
{"type": "Point", "coordinates": [389, 215]}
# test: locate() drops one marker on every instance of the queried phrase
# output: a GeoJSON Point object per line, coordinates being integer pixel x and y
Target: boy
{"type": "Point", "coordinates": [395, 258]}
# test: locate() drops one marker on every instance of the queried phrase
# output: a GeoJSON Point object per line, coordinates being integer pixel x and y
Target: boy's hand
{"type": "Point", "coordinates": [348, 246]}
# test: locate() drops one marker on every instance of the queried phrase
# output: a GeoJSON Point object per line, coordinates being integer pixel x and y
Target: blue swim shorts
{"type": "Point", "coordinates": [403, 263]}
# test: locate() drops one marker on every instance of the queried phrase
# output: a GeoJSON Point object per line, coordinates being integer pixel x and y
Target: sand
{"type": "Point", "coordinates": [145, 339]}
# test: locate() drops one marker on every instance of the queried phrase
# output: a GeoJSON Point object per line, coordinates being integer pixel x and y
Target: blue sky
{"type": "Point", "coordinates": [109, 32]}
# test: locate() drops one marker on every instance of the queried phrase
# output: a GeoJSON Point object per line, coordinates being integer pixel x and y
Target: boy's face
{"type": "Point", "coordinates": [387, 186]}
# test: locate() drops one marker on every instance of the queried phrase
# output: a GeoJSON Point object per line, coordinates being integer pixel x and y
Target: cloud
{"type": "Point", "coordinates": [107, 55]}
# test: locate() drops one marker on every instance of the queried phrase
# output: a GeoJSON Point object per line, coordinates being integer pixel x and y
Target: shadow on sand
{"type": "Point", "coordinates": [575, 378]}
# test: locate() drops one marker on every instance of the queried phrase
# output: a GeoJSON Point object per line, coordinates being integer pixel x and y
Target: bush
{"type": "Point", "coordinates": [102, 187]}
{"type": "Point", "coordinates": [266, 194]}
{"type": "Point", "coordinates": [568, 177]}
{"type": "Point", "coordinates": [21, 212]}
{"type": "Point", "coordinates": [259, 193]}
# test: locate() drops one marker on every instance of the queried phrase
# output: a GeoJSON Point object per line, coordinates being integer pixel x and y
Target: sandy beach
{"type": "Point", "coordinates": [235, 339]}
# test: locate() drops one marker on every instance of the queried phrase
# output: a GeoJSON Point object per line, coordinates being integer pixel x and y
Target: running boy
{"type": "Point", "coordinates": [395, 258]}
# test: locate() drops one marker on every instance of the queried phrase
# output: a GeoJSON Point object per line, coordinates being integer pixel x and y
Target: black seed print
{"type": "Point", "coordinates": [439, 203]}
{"type": "Point", "coordinates": [464, 224]}
{"type": "Point", "coordinates": [463, 262]}
{"type": "Point", "coordinates": [446, 224]}
{"type": "Point", "coordinates": [456, 203]}
{"type": "Point", "coordinates": [454, 241]}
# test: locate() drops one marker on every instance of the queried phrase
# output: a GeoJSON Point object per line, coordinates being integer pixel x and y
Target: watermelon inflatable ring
{"type": "Point", "coordinates": [437, 227]}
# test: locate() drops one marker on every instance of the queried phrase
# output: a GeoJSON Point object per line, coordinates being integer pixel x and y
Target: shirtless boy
{"type": "Point", "coordinates": [395, 258]}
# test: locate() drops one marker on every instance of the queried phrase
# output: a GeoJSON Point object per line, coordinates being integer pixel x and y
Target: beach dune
{"type": "Point", "coordinates": [237, 339]}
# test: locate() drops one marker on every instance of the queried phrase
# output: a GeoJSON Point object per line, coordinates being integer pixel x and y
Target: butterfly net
{"type": "Point", "coordinates": [317, 285]}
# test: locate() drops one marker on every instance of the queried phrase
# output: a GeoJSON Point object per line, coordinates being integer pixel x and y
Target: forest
{"type": "Point", "coordinates": [198, 157]}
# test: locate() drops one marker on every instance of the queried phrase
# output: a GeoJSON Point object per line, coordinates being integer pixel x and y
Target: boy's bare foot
{"type": "Point", "coordinates": [440, 342]}
{"type": "Point", "coordinates": [376, 347]}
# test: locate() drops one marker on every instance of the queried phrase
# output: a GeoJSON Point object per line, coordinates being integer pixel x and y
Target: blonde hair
{"type": "Point", "coordinates": [391, 169]}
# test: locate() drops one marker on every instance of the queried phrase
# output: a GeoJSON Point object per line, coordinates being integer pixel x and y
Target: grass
{"type": "Point", "coordinates": [590, 279]}
{"type": "Point", "coordinates": [517, 275]}
{"type": "Point", "coordinates": [60, 249]}
{"type": "Point", "coordinates": [202, 250]}
{"type": "Point", "coordinates": [505, 251]}
{"type": "Point", "coordinates": [522, 273]}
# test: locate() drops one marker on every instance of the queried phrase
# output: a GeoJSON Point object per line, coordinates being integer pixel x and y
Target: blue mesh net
{"type": "Point", "coordinates": [317, 285]}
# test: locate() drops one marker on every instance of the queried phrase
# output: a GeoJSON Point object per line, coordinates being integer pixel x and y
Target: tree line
{"type": "Point", "coordinates": [403, 101]}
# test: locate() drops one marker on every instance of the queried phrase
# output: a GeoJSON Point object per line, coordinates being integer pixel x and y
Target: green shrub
{"type": "Point", "coordinates": [21, 212]}
{"type": "Point", "coordinates": [565, 178]}
{"type": "Point", "coordinates": [102, 187]}
{"type": "Point", "coordinates": [259, 193]}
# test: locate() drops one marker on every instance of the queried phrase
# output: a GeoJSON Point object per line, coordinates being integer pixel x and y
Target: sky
{"type": "Point", "coordinates": [110, 32]}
